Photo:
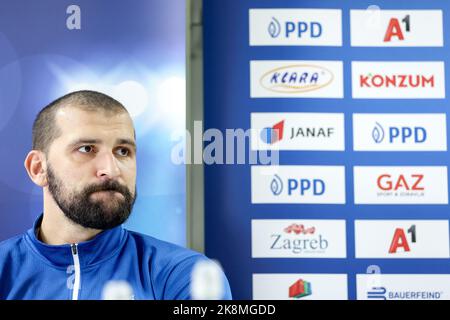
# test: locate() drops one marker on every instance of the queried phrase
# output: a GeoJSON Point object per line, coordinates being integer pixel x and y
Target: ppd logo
{"type": "Point", "coordinates": [276, 186]}
{"type": "Point", "coordinates": [302, 187]}
{"type": "Point", "coordinates": [399, 134]}
{"type": "Point", "coordinates": [294, 29]}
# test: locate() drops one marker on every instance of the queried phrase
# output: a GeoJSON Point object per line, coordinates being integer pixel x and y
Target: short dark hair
{"type": "Point", "coordinates": [45, 129]}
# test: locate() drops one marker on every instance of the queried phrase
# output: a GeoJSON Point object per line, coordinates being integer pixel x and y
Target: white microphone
{"type": "Point", "coordinates": [117, 290]}
{"type": "Point", "coordinates": [207, 281]}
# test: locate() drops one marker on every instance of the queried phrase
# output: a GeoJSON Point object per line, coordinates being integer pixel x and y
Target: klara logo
{"type": "Point", "coordinates": [273, 134]}
{"type": "Point", "coordinates": [294, 29]}
{"type": "Point", "coordinates": [394, 30]}
{"type": "Point", "coordinates": [301, 187]}
{"type": "Point", "coordinates": [300, 289]}
{"type": "Point", "coordinates": [401, 185]}
{"type": "Point", "coordinates": [298, 239]}
{"type": "Point", "coordinates": [400, 240]}
{"type": "Point", "coordinates": [401, 134]}
{"type": "Point", "coordinates": [296, 78]}
{"type": "Point", "coordinates": [378, 80]}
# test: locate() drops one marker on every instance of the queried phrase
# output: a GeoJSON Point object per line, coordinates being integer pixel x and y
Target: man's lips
{"type": "Point", "coordinates": [107, 193]}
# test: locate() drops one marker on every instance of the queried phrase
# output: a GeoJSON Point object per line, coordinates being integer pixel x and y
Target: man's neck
{"type": "Point", "coordinates": [60, 230]}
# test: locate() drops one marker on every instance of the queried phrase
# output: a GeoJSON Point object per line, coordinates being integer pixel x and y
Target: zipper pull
{"type": "Point", "coordinates": [73, 246]}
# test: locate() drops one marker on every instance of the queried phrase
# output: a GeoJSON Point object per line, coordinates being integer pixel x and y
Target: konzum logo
{"type": "Point", "coordinates": [398, 79]}
{"type": "Point", "coordinates": [297, 78]}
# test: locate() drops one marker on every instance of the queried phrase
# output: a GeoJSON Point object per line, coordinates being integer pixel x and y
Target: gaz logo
{"type": "Point", "coordinates": [411, 182]}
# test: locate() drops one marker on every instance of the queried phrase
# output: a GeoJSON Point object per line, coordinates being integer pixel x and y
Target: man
{"type": "Point", "coordinates": [84, 158]}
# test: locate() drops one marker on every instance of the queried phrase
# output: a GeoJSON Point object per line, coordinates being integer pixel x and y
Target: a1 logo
{"type": "Point", "coordinates": [400, 240]}
{"type": "Point", "coordinates": [394, 29]}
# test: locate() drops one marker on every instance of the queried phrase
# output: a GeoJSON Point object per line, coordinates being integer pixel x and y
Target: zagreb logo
{"type": "Point", "coordinates": [300, 289]}
{"type": "Point", "coordinates": [296, 78]}
{"type": "Point", "coordinates": [273, 134]}
{"type": "Point", "coordinates": [394, 29]}
{"type": "Point", "coordinates": [274, 28]}
{"type": "Point", "coordinates": [299, 240]}
{"type": "Point", "coordinates": [276, 186]}
{"type": "Point", "coordinates": [299, 229]}
{"type": "Point", "coordinates": [378, 133]}
{"type": "Point", "coordinates": [400, 240]}
{"type": "Point", "coordinates": [396, 81]}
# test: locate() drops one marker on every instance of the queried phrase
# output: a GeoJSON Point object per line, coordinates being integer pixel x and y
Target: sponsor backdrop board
{"type": "Point", "coordinates": [353, 101]}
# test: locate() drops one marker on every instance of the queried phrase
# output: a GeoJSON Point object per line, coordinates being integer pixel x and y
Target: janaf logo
{"type": "Point", "coordinates": [296, 78]}
{"type": "Point", "coordinates": [275, 133]}
{"type": "Point", "coordinates": [299, 239]}
{"type": "Point", "coordinates": [271, 135]}
{"type": "Point", "coordinates": [311, 132]}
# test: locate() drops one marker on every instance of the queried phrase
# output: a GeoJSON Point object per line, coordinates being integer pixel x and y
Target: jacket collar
{"type": "Point", "coordinates": [101, 247]}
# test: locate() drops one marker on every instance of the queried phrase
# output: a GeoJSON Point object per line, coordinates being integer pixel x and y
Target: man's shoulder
{"type": "Point", "coordinates": [11, 247]}
{"type": "Point", "coordinates": [161, 249]}
{"type": "Point", "coordinates": [11, 243]}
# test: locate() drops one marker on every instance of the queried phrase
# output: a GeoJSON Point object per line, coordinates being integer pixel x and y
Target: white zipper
{"type": "Point", "coordinates": [76, 264]}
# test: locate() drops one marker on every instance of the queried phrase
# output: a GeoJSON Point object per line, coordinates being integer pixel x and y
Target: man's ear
{"type": "Point", "coordinates": [36, 166]}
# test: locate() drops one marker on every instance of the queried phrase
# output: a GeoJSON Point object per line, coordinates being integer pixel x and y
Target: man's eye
{"type": "Point", "coordinates": [86, 149]}
{"type": "Point", "coordinates": [123, 152]}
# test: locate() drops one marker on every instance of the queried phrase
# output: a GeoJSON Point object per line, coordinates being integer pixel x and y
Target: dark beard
{"type": "Point", "coordinates": [87, 213]}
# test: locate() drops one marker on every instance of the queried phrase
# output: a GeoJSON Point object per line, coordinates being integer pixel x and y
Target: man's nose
{"type": "Point", "coordinates": [107, 166]}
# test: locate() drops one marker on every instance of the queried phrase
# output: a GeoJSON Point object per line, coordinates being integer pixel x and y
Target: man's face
{"type": "Point", "coordinates": [91, 167]}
